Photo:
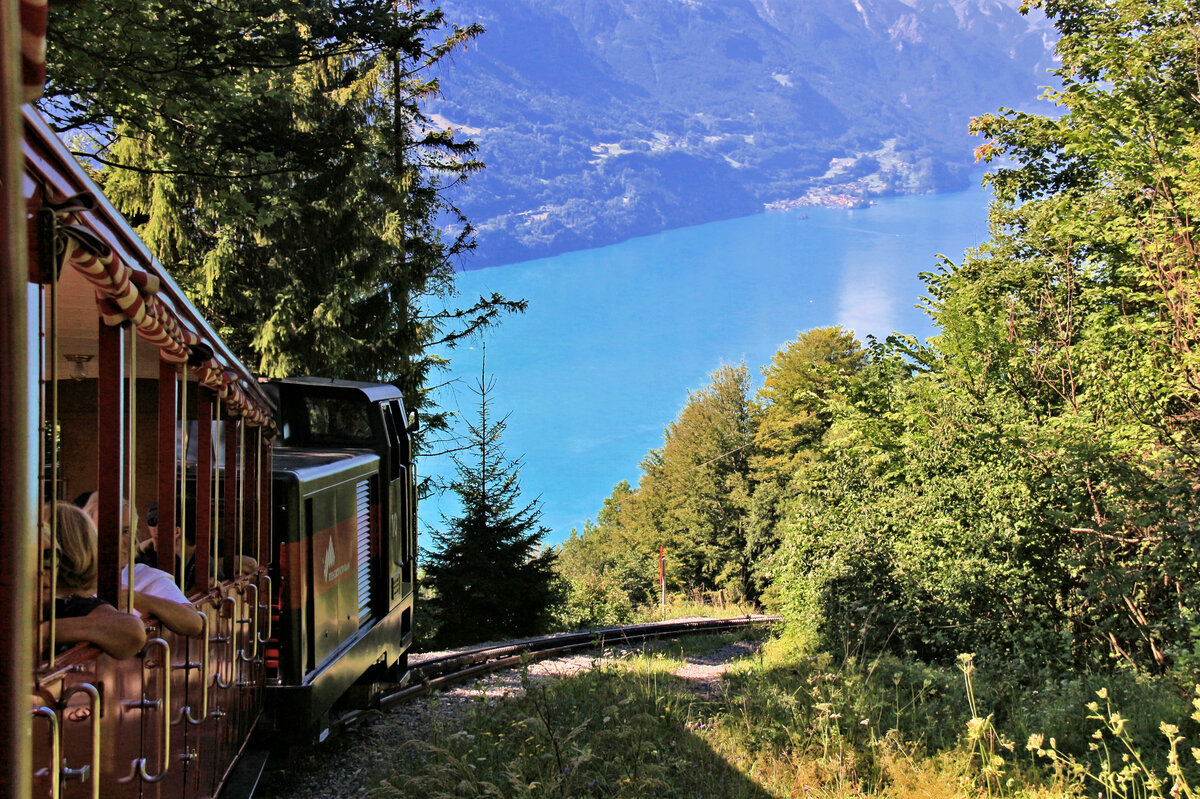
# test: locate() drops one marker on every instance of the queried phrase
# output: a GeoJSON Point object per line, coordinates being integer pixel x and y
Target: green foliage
{"type": "Point", "coordinates": [699, 481]}
{"type": "Point", "coordinates": [605, 582]}
{"type": "Point", "coordinates": [714, 495]}
{"type": "Point", "coordinates": [1120, 768]}
{"type": "Point", "coordinates": [489, 577]}
{"type": "Point", "coordinates": [912, 533]}
{"type": "Point", "coordinates": [800, 385]}
{"type": "Point", "coordinates": [786, 722]}
{"type": "Point", "coordinates": [1024, 487]}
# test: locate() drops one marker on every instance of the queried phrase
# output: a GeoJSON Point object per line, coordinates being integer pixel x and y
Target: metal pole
{"type": "Point", "coordinates": [18, 492]}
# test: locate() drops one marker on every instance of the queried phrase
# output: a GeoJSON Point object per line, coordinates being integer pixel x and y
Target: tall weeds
{"type": "Point", "coordinates": [785, 723]}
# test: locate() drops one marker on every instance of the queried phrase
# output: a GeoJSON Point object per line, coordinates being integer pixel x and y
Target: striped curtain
{"type": "Point", "coordinates": [33, 48]}
{"type": "Point", "coordinates": [127, 294]}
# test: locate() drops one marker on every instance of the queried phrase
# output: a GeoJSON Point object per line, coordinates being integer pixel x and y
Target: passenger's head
{"type": "Point", "coordinates": [129, 517]}
{"type": "Point", "coordinates": [186, 520]}
{"type": "Point", "coordinates": [91, 506]}
{"type": "Point", "coordinates": [76, 549]}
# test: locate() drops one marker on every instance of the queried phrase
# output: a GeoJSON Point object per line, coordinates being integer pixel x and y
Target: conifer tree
{"type": "Point", "coordinates": [276, 157]}
{"type": "Point", "coordinates": [490, 576]}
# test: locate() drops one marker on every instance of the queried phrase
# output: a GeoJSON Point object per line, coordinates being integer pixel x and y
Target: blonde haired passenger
{"type": "Point", "coordinates": [79, 616]}
{"type": "Point", "coordinates": [154, 592]}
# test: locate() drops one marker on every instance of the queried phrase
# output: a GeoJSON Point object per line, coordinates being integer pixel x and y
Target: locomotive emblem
{"type": "Point", "coordinates": [330, 559]}
{"type": "Point", "coordinates": [332, 569]}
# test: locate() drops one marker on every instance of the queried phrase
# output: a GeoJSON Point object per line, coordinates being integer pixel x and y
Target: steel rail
{"type": "Point", "coordinates": [445, 670]}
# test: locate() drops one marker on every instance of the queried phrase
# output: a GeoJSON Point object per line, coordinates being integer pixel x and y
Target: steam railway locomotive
{"type": "Point", "coordinates": [294, 502]}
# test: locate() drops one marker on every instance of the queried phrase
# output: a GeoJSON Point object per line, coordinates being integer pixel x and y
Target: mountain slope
{"type": "Point", "coordinates": [604, 119]}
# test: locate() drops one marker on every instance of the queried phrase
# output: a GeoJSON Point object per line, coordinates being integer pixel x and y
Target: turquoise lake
{"type": "Point", "coordinates": [615, 337]}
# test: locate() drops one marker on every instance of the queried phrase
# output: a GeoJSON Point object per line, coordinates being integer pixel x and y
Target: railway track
{"type": "Point", "coordinates": [436, 672]}
{"type": "Point", "coordinates": [444, 670]}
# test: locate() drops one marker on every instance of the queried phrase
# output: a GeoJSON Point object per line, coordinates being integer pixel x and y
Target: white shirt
{"type": "Point", "coordinates": [153, 582]}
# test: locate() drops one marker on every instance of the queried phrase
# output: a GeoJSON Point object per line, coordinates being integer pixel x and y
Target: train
{"type": "Point", "coordinates": [294, 503]}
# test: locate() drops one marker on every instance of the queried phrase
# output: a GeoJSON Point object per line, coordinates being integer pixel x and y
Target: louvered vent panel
{"type": "Point", "coordinates": [363, 501]}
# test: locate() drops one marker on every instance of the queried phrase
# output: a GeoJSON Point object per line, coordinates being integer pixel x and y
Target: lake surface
{"type": "Point", "coordinates": [615, 337]}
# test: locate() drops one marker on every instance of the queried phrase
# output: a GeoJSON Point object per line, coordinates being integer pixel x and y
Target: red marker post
{"type": "Point", "coordinates": [662, 581]}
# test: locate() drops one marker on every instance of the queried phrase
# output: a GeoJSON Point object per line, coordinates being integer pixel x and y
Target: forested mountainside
{"type": "Point", "coordinates": [604, 119]}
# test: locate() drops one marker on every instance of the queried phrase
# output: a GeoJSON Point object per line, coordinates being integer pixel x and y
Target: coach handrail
{"type": "Point", "coordinates": [55, 750]}
{"type": "Point", "coordinates": [164, 704]}
{"type": "Point", "coordinates": [268, 608]}
{"type": "Point", "coordinates": [217, 676]}
{"type": "Point", "coordinates": [204, 678]}
{"type": "Point", "coordinates": [91, 769]}
{"type": "Point", "coordinates": [252, 620]}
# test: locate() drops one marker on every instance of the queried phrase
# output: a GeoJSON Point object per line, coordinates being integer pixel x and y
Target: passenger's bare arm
{"type": "Point", "coordinates": [118, 634]}
{"type": "Point", "coordinates": [175, 616]}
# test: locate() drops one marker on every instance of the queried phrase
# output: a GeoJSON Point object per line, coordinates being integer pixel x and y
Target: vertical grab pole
{"type": "Point", "coordinates": [235, 568]}
{"type": "Point", "coordinates": [256, 503]}
{"type": "Point", "coordinates": [181, 519]}
{"type": "Point", "coordinates": [265, 542]}
{"type": "Point", "coordinates": [204, 488]}
{"type": "Point", "coordinates": [48, 415]}
{"type": "Point", "coordinates": [216, 521]}
{"type": "Point", "coordinates": [110, 460]}
{"type": "Point", "coordinates": [128, 506]}
{"type": "Point", "coordinates": [229, 520]}
{"type": "Point", "coordinates": [168, 380]}
{"type": "Point", "coordinates": [18, 489]}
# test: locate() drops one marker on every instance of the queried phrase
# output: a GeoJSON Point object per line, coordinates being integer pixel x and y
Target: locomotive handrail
{"type": "Point", "coordinates": [186, 711]}
{"type": "Point", "coordinates": [91, 769]}
{"type": "Point", "coordinates": [55, 750]}
{"type": "Point", "coordinates": [164, 703]}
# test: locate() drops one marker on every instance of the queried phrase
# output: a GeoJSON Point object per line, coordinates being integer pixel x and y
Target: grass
{"type": "Point", "coordinates": [787, 723]}
{"type": "Point", "coordinates": [715, 606]}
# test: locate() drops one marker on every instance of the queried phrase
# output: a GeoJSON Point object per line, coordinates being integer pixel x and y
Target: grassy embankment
{"type": "Point", "coordinates": [787, 722]}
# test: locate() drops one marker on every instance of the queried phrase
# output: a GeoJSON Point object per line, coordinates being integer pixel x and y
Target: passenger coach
{"type": "Point", "coordinates": [125, 380]}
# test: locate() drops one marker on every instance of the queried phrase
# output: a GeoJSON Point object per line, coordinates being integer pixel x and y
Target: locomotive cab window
{"type": "Point", "coordinates": [334, 418]}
